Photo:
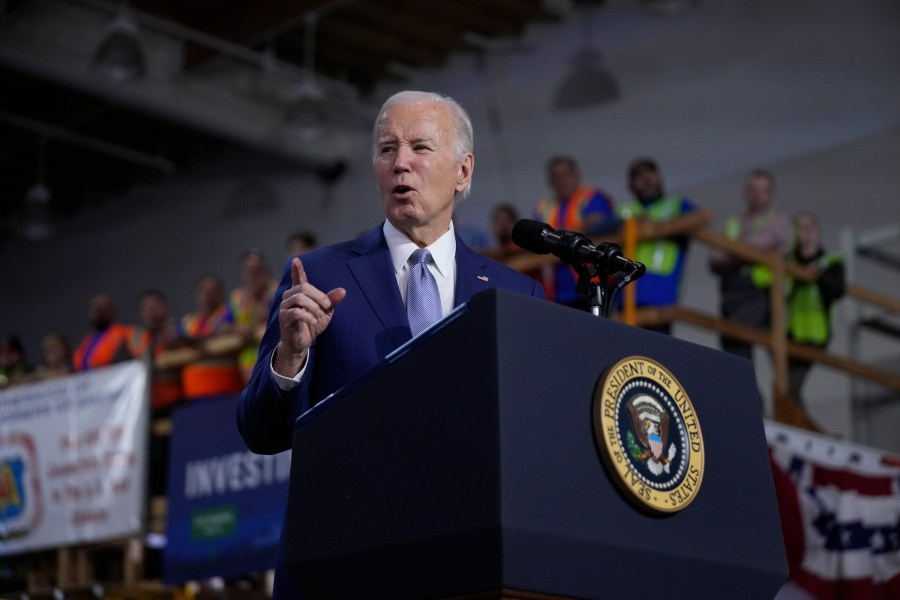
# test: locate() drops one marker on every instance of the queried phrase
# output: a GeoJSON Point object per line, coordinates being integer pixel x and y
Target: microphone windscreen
{"type": "Point", "coordinates": [530, 234]}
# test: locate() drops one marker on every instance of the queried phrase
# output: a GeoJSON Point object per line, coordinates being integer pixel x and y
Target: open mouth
{"type": "Point", "coordinates": [401, 189]}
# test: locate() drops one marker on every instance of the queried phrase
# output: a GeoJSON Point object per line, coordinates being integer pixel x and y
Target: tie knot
{"type": "Point", "coordinates": [420, 257]}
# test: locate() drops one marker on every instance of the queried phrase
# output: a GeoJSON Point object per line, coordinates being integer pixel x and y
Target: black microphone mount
{"type": "Point", "coordinates": [595, 265]}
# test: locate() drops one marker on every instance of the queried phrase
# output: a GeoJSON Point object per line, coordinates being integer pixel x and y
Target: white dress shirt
{"type": "Point", "coordinates": [443, 267]}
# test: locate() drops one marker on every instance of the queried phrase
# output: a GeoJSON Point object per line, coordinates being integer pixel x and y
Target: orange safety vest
{"type": "Point", "coordinates": [573, 220]}
{"type": "Point", "coordinates": [209, 376]}
{"type": "Point", "coordinates": [102, 348]}
{"type": "Point", "coordinates": [165, 384]}
{"type": "Point", "coordinates": [548, 210]}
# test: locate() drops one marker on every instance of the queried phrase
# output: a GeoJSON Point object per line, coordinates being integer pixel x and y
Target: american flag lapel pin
{"type": "Point", "coordinates": [482, 277]}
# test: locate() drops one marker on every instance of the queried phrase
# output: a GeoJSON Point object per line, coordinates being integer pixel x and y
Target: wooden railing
{"type": "Point", "coordinates": [696, 227]}
{"type": "Point", "coordinates": [786, 409]}
{"type": "Point", "coordinates": [69, 568]}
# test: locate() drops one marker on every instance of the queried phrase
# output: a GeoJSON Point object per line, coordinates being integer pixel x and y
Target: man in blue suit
{"type": "Point", "coordinates": [316, 341]}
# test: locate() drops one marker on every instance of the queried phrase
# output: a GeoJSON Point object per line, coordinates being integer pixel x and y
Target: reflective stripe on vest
{"type": "Point", "coordinates": [197, 325]}
{"type": "Point", "coordinates": [103, 348]}
{"type": "Point", "coordinates": [659, 256]}
{"type": "Point", "coordinates": [548, 210]}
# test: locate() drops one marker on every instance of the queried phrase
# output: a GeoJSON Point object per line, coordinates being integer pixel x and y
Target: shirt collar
{"type": "Point", "coordinates": [443, 250]}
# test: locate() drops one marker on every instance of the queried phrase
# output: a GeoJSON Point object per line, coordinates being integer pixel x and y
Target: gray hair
{"type": "Point", "coordinates": [463, 135]}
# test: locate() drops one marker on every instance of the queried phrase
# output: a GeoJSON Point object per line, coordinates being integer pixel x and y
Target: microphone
{"type": "Point", "coordinates": [572, 247]}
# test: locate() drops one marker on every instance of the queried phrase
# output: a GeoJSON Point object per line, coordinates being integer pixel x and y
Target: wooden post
{"type": "Point", "coordinates": [629, 246]}
{"type": "Point", "coordinates": [65, 567]}
{"type": "Point", "coordinates": [778, 332]}
{"type": "Point", "coordinates": [133, 561]}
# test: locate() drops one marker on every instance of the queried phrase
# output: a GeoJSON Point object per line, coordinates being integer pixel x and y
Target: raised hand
{"type": "Point", "coordinates": [304, 313]}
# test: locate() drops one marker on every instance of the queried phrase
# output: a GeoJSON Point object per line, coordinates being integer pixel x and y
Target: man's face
{"type": "Point", "coordinates": [563, 179]}
{"type": "Point", "coordinates": [646, 183]}
{"type": "Point", "coordinates": [54, 353]}
{"type": "Point", "coordinates": [100, 311]}
{"type": "Point", "coordinates": [209, 294]}
{"type": "Point", "coordinates": [9, 356]}
{"type": "Point", "coordinates": [154, 312]}
{"type": "Point", "coordinates": [807, 231]}
{"type": "Point", "coordinates": [503, 226]}
{"type": "Point", "coordinates": [254, 273]}
{"type": "Point", "coordinates": [758, 194]}
{"type": "Point", "coordinates": [417, 173]}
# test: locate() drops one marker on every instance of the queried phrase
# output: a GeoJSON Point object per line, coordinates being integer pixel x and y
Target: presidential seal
{"type": "Point", "coordinates": [648, 434]}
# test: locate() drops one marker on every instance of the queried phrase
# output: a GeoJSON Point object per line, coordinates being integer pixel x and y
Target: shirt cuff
{"type": "Point", "coordinates": [286, 384]}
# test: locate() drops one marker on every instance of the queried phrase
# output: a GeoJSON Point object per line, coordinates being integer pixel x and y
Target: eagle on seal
{"type": "Point", "coordinates": [650, 422]}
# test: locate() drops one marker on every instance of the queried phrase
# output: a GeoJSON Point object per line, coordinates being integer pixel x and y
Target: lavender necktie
{"type": "Point", "coordinates": [423, 302]}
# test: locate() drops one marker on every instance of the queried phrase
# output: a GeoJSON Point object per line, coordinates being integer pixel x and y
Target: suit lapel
{"type": "Point", "coordinates": [470, 273]}
{"type": "Point", "coordinates": [369, 269]}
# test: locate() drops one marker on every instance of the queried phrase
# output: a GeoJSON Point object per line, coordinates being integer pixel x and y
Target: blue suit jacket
{"type": "Point", "coordinates": [369, 324]}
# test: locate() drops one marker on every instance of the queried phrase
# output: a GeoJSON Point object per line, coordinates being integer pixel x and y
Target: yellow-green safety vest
{"type": "Point", "coordinates": [760, 275]}
{"type": "Point", "coordinates": [659, 256]}
{"type": "Point", "coordinates": [809, 320]}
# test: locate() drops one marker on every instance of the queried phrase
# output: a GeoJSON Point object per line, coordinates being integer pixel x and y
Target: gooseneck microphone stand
{"type": "Point", "coordinates": [594, 279]}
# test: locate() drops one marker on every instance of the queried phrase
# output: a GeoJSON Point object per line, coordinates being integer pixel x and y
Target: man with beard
{"type": "Point", "coordinates": [107, 342]}
{"type": "Point", "coordinates": [657, 213]}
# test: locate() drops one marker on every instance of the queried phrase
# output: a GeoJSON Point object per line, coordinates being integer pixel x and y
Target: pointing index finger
{"type": "Point", "coordinates": [298, 274]}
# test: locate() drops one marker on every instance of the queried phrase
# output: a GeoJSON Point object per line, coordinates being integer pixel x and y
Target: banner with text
{"type": "Point", "coordinates": [226, 504]}
{"type": "Point", "coordinates": [72, 458]}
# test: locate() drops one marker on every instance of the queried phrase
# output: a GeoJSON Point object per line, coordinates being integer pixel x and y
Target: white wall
{"type": "Point", "coordinates": [809, 89]}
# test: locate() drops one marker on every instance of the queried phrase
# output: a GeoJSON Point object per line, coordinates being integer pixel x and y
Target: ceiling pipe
{"type": "Point", "coordinates": [231, 50]}
{"type": "Point", "coordinates": [97, 145]}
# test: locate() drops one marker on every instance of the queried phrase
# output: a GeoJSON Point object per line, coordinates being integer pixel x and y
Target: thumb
{"type": "Point", "coordinates": [336, 296]}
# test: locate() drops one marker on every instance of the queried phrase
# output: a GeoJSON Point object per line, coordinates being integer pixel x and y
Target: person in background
{"type": "Point", "coordinates": [573, 207]}
{"type": "Point", "coordinates": [107, 341]}
{"type": "Point", "coordinates": [156, 334]}
{"type": "Point", "coordinates": [56, 357]}
{"type": "Point", "coordinates": [250, 305]}
{"type": "Point", "coordinates": [810, 303]}
{"type": "Point", "coordinates": [664, 257]}
{"type": "Point", "coordinates": [14, 368]}
{"type": "Point", "coordinates": [503, 219]}
{"type": "Point", "coordinates": [300, 242]}
{"type": "Point", "coordinates": [743, 287]}
{"type": "Point", "coordinates": [210, 375]}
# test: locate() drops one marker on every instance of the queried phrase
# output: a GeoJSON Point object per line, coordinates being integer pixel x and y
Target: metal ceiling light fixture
{"type": "Point", "coordinates": [120, 56]}
{"type": "Point", "coordinates": [36, 223]}
{"type": "Point", "coordinates": [588, 83]}
{"type": "Point", "coordinates": [307, 118]}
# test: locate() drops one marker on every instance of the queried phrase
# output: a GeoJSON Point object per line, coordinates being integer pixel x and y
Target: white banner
{"type": "Point", "coordinates": [73, 458]}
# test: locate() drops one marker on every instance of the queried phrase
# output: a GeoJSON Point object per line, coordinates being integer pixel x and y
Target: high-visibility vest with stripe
{"type": "Point", "coordinates": [244, 309]}
{"type": "Point", "coordinates": [214, 375]}
{"type": "Point", "coordinates": [659, 256]}
{"type": "Point", "coordinates": [809, 320]}
{"type": "Point", "coordinates": [102, 348]}
{"type": "Point", "coordinates": [165, 384]}
{"type": "Point", "coordinates": [573, 215]}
